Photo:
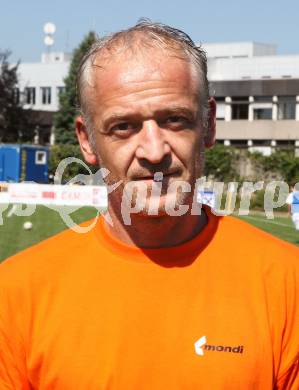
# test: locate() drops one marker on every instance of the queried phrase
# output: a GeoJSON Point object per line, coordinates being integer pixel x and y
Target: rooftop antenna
{"type": "Point", "coordinates": [49, 30]}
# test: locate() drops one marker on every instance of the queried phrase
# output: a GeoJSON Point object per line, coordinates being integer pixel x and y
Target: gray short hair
{"type": "Point", "coordinates": [144, 34]}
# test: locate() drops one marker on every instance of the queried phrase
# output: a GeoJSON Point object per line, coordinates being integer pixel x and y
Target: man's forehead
{"type": "Point", "coordinates": [151, 66]}
{"type": "Point", "coordinates": [139, 49]}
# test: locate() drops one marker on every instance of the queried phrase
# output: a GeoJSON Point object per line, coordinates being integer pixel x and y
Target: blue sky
{"type": "Point", "coordinates": [270, 21]}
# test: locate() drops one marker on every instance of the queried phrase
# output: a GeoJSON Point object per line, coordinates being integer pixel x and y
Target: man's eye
{"type": "Point", "coordinates": [175, 119]}
{"type": "Point", "coordinates": [124, 126]}
{"type": "Point", "coordinates": [176, 122]}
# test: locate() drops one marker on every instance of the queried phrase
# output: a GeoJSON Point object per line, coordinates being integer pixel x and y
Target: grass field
{"type": "Point", "coordinates": [281, 226]}
{"type": "Point", "coordinates": [47, 222]}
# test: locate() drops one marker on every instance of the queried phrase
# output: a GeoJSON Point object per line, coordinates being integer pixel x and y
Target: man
{"type": "Point", "coordinates": [293, 205]}
{"type": "Point", "coordinates": [173, 296]}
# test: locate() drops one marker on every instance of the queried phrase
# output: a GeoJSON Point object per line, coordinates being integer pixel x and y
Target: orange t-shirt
{"type": "Point", "coordinates": [85, 311]}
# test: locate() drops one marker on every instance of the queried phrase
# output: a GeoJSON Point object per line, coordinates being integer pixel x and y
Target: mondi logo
{"type": "Point", "coordinates": [201, 346]}
{"type": "Point", "coordinates": [222, 348]}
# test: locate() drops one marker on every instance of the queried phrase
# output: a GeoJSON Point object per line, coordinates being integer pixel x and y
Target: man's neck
{"type": "Point", "coordinates": [156, 232]}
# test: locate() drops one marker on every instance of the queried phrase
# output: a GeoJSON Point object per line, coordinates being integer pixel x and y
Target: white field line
{"type": "Point", "coordinates": [268, 221]}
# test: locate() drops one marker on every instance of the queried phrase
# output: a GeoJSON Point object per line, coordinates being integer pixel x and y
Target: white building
{"type": "Point", "coordinates": [42, 82]}
{"type": "Point", "coordinates": [257, 92]}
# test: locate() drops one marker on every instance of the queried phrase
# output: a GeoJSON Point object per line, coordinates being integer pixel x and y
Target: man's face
{"type": "Point", "coordinates": [147, 119]}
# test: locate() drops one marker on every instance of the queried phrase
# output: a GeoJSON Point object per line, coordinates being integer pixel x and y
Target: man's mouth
{"type": "Point", "coordinates": [159, 176]}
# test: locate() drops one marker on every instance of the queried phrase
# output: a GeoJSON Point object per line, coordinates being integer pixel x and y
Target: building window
{"type": "Point", "coordinates": [262, 113]}
{"type": "Point", "coordinates": [46, 95]}
{"type": "Point", "coordinates": [30, 95]}
{"type": "Point", "coordinates": [286, 107]}
{"type": "Point", "coordinates": [240, 107]}
{"type": "Point", "coordinates": [263, 99]}
{"type": "Point", "coordinates": [16, 95]}
{"type": "Point", "coordinates": [40, 157]}
{"type": "Point", "coordinates": [60, 90]}
{"type": "Point", "coordinates": [240, 143]}
{"type": "Point", "coordinates": [262, 107]}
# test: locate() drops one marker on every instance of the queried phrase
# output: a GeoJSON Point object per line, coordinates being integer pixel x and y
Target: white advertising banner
{"type": "Point", "coordinates": [68, 195]}
{"type": "Point", "coordinates": [51, 194]}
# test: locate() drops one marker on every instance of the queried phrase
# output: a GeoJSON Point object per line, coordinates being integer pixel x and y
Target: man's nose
{"type": "Point", "coordinates": [152, 144]}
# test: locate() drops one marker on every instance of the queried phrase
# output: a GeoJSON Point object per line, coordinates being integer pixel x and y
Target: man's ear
{"type": "Point", "coordinates": [85, 144]}
{"type": "Point", "coordinates": [210, 135]}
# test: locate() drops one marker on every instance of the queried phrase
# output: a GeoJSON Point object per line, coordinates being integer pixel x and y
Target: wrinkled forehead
{"type": "Point", "coordinates": [109, 73]}
{"type": "Point", "coordinates": [136, 47]}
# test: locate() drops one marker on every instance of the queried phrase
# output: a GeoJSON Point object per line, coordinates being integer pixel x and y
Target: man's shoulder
{"type": "Point", "coordinates": [46, 256]}
{"type": "Point", "coordinates": [256, 243]}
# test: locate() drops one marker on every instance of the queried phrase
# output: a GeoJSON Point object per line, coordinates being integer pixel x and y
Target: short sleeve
{"type": "Point", "coordinates": [289, 199]}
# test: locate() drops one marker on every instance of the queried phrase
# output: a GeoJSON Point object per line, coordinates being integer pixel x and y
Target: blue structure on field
{"type": "Point", "coordinates": [24, 163]}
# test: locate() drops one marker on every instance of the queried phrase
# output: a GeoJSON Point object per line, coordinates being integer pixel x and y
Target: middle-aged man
{"type": "Point", "coordinates": [171, 297]}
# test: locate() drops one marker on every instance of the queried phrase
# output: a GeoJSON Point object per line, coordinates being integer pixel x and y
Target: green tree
{"type": "Point", "coordinates": [282, 161]}
{"type": "Point", "coordinates": [68, 102]}
{"type": "Point", "coordinates": [59, 153]}
{"type": "Point", "coordinates": [219, 163]}
{"type": "Point", "coordinates": [14, 120]}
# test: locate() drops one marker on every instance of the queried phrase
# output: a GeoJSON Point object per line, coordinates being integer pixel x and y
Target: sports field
{"type": "Point", "coordinates": [47, 222]}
